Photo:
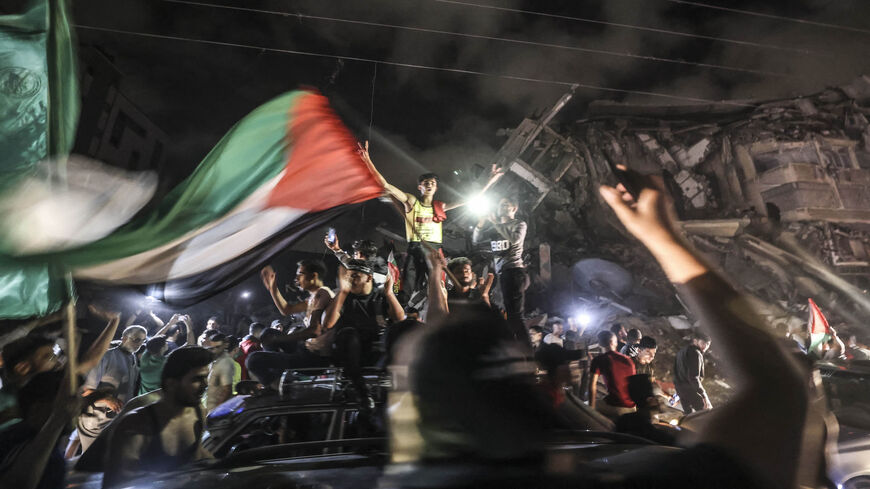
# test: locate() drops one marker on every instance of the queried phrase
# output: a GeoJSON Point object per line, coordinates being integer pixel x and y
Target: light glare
{"type": "Point", "coordinates": [583, 319]}
{"type": "Point", "coordinates": [480, 205]}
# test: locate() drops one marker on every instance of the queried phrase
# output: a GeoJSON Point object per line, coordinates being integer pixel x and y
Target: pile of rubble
{"type": "Point", "coordinates": [775, 193]}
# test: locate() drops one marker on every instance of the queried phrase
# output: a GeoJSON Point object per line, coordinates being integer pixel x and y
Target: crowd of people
{"type": "Point", "coordinates": [164, 382]}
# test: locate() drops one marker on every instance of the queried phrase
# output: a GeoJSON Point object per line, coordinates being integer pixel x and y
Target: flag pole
{"type": "Point", "coordinates": [71, 339]}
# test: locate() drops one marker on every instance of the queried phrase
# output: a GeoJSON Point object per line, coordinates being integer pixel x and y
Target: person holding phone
{"type": "Point", "coordinates": [361, 249]}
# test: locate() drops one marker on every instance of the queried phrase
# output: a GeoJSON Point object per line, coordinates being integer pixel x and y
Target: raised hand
{"type": "Point", "coordinates": [268, 276]}
{"type": "Point", "coordinates": [102, 313]}
{"type": "Point", "coordinates": [649, 218]}
{"type": "Point", "coordinates": [332, 245]}
{"type": "Point", "coordinates": [344, 283]}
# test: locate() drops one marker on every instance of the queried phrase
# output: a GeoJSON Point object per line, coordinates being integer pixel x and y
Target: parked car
{"type": "Point", "coordinates": [847, 386]}
{"type": "Point", "coordinates": [365, 464]}
{"type": "Point", "coordinates": [307, 410]}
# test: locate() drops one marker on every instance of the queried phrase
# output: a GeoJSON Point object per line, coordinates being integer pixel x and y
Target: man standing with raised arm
{"type": "Point", "coordinates": [504, 236]}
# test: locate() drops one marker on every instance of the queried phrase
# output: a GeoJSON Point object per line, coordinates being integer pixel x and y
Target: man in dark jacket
{"type": "Point", "coordinates": [688, 373]}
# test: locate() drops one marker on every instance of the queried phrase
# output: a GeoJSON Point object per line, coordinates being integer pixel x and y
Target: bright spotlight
{"type": "Point", "coordinates": [246, 294]}
{"type": "Point", "coordinates": [583, 319]}
{"type": "Point", "coordinates": [480, 205]}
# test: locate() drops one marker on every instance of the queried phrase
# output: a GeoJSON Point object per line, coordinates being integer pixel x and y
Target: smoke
{"type": "Point", "coordinates": [442, 120]}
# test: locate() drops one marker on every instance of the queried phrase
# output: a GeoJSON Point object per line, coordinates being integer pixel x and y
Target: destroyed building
{"type": "Point", "coordinates": [776, 193]}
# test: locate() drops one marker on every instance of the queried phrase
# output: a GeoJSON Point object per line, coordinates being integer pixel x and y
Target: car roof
{"type": "Point", "coordinates": [851, 366]}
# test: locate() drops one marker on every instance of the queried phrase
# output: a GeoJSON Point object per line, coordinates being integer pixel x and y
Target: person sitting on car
{"type": "Point", "coordinates": [357, 314]}
{"type": "Point", "coordinates": [164, 435]}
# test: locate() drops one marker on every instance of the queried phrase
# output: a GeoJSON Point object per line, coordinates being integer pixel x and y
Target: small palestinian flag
{"type": "Point", "coordinates": [393, 267]}
{"type": "Point", "coordinates": [817, 327]}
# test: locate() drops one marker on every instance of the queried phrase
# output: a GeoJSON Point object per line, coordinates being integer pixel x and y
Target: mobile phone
{"type": "Point", "coordinates": [631, 180]}
{"type": "Point", "coordinates": [330, 236]}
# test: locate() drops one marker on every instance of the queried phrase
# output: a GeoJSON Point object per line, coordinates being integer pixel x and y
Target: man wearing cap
{"type": "Point", "coordinates": [363, 249]}
{"type": "Point", "coordinates": [357, 313]}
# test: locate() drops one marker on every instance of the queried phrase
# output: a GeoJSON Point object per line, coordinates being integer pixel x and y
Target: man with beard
{"type": "Point", "coordinates": [504, 236]}
{"type": "Point", "coordinates": [165, 435]}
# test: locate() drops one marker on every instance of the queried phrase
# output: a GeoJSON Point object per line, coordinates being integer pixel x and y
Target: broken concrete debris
{"type": "Point", "coordinates": [776, 193]}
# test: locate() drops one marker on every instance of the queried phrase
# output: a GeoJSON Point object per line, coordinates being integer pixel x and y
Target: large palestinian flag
{"type": "Point", "coordinates": [289, 166]}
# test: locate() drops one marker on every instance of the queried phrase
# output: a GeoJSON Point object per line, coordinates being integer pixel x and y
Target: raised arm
{"type": "Point", "coordinates": [437, 296]}
{"type": "Point", "coordinates": [188, 324]}
{"type": "Point", "coordinates": [487, 286]}
{"type": "Point", "coordinates": [98, 348]}
{"type": "Point", "coordinates": [768, 379]}
{"type": "Point", "coordinates": [165, 327]}
{"type": "Point", "coordinates": [406, 199]}
{"type": "Point", "coordinates": [333, 310]}
{"type": "Point", "coordinates": [333, 246]}
{"type": "Point", "coordinates": [268, 275]}
{"type": "Point", "coordinates": [159, 322]}
{"type": "Point", "coordinates": [394, 308]}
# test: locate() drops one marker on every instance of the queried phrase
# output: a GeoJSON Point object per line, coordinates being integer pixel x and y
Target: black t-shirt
{"type": "Point", "coordinates": [470, 296]}
{"type": "Point", "coordinates": [365, 312]}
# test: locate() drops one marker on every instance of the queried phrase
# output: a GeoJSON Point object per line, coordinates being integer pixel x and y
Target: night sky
{"type": "Point", "coordinates": [441, 121]}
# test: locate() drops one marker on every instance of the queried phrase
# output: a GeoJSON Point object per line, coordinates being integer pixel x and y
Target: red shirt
{"type": "Point", "coordinates": [248, 346]}
{"type": "Point", "coordinates": [616, 368]}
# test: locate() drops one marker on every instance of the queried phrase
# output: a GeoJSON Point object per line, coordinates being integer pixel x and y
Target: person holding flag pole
{"type": "Point", "coordinates": [823, 341]}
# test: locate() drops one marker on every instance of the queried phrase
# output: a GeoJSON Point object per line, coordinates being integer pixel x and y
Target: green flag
{"type": "Point", "coordinates": [39, 108]}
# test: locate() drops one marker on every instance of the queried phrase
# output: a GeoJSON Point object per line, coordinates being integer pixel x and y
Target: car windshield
{"type": "Point", "coordinates": [848, 396]}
